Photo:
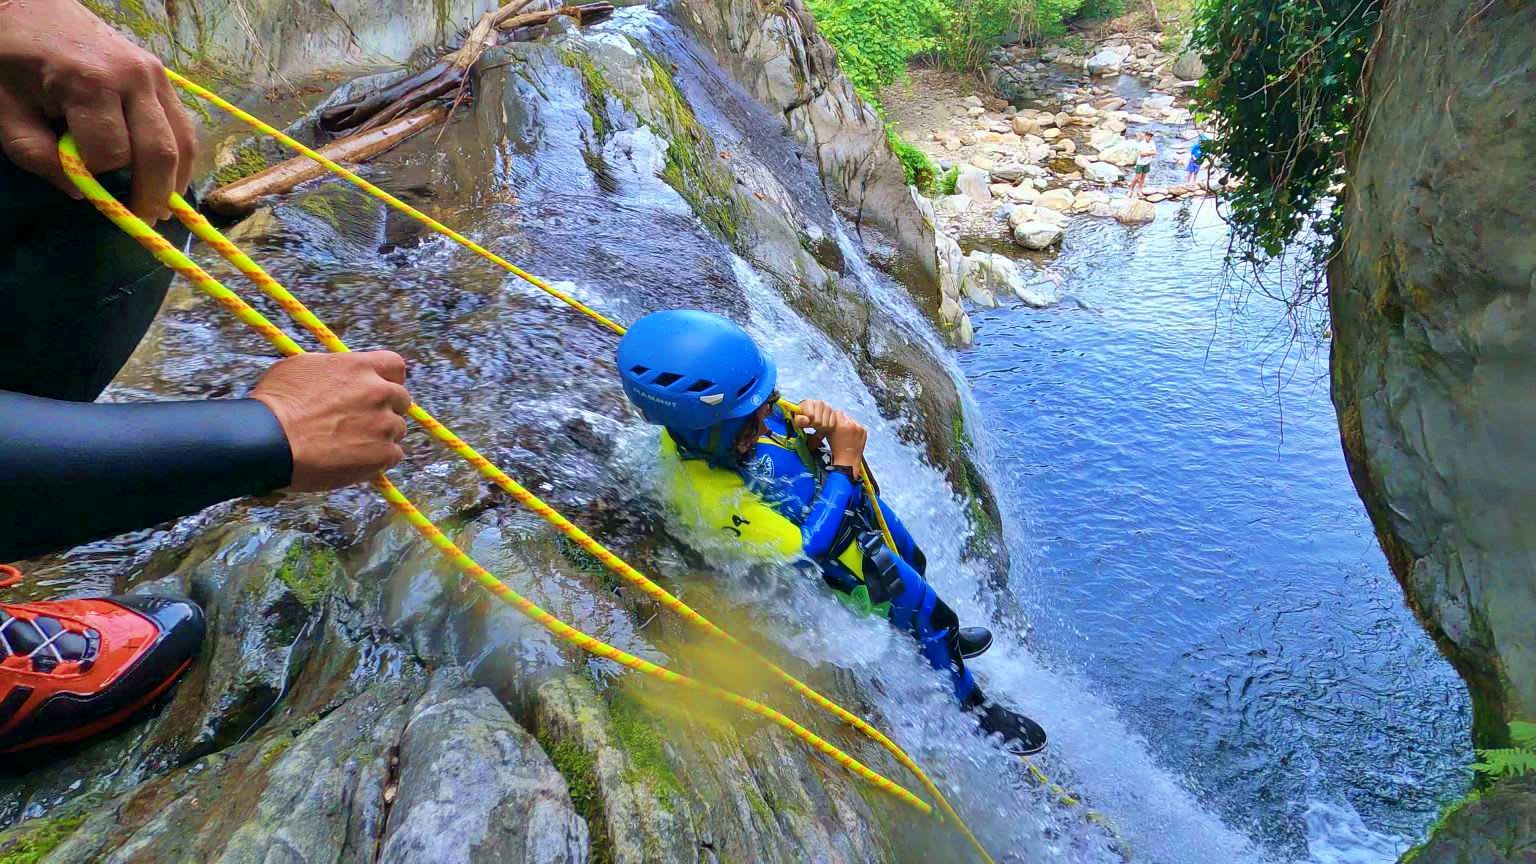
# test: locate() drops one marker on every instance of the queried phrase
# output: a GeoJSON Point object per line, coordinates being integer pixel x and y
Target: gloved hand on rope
{"type": "Point", "coordinates": [59, 63]}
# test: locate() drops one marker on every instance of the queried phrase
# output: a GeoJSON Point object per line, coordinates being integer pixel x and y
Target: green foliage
{"type": "Point", "coordinates": [949, 183]}
{"type": "Point", "coordinates": [921, 172]}
{"type": "Point", "coordinates": [1282, 91]}
{"type": "Point", "coordinates": [874, 38]}
{"type": "Point", "coordinates": [974, 27]}
{"type": "Point", "coordinates": [1095, 9]}
{"type": "Point", "coordinates": [1511, 761]}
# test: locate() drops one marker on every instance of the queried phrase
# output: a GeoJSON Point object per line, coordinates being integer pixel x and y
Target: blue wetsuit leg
{"type": "Point", "coordinates": [912, 609]}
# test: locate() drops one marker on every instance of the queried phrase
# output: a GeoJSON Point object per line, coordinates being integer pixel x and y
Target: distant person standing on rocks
{"type": "Point", "coordinates": [1146, 154]}
{"type": "Point", "coordinates": [1196, 156]}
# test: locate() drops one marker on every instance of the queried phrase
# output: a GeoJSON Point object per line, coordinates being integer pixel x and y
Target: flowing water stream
{"type": "Point", "coordinates": [1195, 548]}
{"type": "Point", "coordinates": [1195, 610]}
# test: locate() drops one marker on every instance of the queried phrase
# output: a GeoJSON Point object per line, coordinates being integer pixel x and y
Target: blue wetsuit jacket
{"type": "Point", "coordinates": [833, 514]}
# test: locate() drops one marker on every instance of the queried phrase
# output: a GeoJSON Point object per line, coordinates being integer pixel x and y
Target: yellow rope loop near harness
{"type": "Point", "coordinates": [174, 259]}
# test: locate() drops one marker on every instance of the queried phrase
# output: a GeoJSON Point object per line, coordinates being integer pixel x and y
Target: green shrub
{"type": "Point", "coordinates": [1096, 9]}
{"type": "Point", "coordinates": [874, 38]}
{"type": "Point", "coordinates": [921, 171]}
{"type": "Point", "coordinates": [949, 183]}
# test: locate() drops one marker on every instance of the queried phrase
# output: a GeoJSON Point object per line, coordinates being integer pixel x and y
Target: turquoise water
{"type": "Point", "coordinates": [1193, 546]}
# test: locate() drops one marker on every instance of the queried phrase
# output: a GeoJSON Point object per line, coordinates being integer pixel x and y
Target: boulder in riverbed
{"type": "Point", "coordinates": [1101, 172]}
{"type": "Point", "coordinates": [1037, 235]}
{"type": "Point", "coordinates": [1136, 212]}
{"type": "Point", "coordinates": [1105, 62]}
{"type": "Point", "coordinates": [1122, 154]}
{"type": "Point", "coordinates": [973, 183]}
{"type": "Point", "coordinates": [1189, 67]}
{"type": "Point", "coordinates": [1056, 199]}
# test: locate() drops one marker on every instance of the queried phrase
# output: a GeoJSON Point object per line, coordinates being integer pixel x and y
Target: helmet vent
{"type": "Point", "coordinates": [639, 370]}
{"type": "Point", "coordinates": [700, 386]}
{"type": "Point", "coordinates": [667, 379]}
{"type": "Point", "coordinates": [745, 387]}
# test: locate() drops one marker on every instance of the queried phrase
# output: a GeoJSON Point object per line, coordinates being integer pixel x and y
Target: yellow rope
{"type": "Point", "coordinates": [174, 259]}
{"type": "Point", "coordinates": [280, 295]}
{"type": "Point", "coordinates": [336, 169]}
{"type": "Point", "coordinates": [283, 298]}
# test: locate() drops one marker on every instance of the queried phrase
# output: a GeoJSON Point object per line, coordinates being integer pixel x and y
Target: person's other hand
{"type": "Point", "coordinates": [844, 435]}
{"type": "Point", "coordinates": [343, 415]}
{"type": "Point", "coordinates": [59, 61]}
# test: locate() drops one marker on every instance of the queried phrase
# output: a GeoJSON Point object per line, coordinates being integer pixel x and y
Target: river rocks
{"type": "Point", "coordinates": [1122, 154]}
{"type": "Point", "coordinates": [1037, 235]}
{"type": "Point", "coordinates": [972, 183]}
{"type": "Point", "coordinates": [1156, 102]}
{"type": "Point", "coordinates": [1106, 62]}
{"type": "Point", "coordinates": [1056, 199]}
{"type": "Point", "coordinates": [1102, 172]}
{"type": "Point", "coordinates": [1113, 125]}
{"type": "Point", "coordinates": [1091, 201]}
{"type": "Point", "coordinates": [1109, 103]}
{"type": "Point", "coordinates": [1009, 172]}
{"type": "Point", "coordinates": [1024, 125]}
{"type": "Point", "coordinates": [1189, 66]}
{"type": "Point", "coordinates": [999, 273]}
{"type": "Point", "coordinates": [1432, 341]}
{"type": "Point", "coordinates": [953, 204]}
{"type": "Point", "coordinates": [1023, 194]}
{"type": "Point", "coordinates": [1135, 212]}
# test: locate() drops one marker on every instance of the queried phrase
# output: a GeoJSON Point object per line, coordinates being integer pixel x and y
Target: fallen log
{"type": "Point", "coordinates": [240, 197]}
{"type": "Point", "coordinates": [450, 72]}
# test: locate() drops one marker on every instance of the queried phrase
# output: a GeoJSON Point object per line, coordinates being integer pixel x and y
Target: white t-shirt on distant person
{"type": "Point", "coordinates": [1146, 154]}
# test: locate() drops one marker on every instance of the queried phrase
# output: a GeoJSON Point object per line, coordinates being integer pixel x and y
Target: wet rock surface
{"type": "Point", "coordinates": [1431, 353]}
{"type": "Point", "coordinates": [1499, 827]}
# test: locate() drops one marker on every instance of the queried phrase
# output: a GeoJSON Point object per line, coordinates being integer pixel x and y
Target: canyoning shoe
{"type": "Point", "coordinates": [974, 641]}
{"type": "Point", "coordinates": [70, 669]}
{"type": "Point", "coordinates": [1021, 735]}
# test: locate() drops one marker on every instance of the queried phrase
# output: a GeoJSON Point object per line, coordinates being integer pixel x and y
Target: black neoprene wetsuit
{"type": "Point", "coordinates": [76, 296]}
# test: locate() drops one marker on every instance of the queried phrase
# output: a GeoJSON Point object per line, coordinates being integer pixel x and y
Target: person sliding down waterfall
{"type": "Point", "coordinates": [789, 486]}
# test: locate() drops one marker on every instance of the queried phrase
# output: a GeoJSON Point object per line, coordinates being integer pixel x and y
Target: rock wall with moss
{"type": "Point", "coordinates": [1434, 338]}
{"type": "Point", "coordinates": [266, 42]}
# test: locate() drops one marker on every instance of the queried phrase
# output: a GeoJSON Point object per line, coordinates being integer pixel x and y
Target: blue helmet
{"type": "Point", "coordinates": [690, 370]}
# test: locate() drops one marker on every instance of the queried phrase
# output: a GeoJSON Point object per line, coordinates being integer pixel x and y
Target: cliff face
{"type": "Point", "coordinates": [1434, 361]}
{"type": "Point", "coordinates": [1434, 354]}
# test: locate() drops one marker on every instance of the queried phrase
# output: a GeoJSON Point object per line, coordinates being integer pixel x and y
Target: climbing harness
{"type": "Point", "coordinates": [167, 254]}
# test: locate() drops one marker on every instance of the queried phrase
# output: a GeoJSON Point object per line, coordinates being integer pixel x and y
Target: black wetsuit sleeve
{"type": "Point", "coordinates": [71, 472]}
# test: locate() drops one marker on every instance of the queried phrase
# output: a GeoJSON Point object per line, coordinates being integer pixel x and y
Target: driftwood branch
{"type": "Point", "coordinates": [450, 72]}
{"type": "Point", "coordinates": [240, 197]}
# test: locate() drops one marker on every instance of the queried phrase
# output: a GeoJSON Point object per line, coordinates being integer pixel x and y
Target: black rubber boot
{"type": "Point", "coordinates": [1021, 735]}
{"type": "Point", "coordinates": [974, 641]}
